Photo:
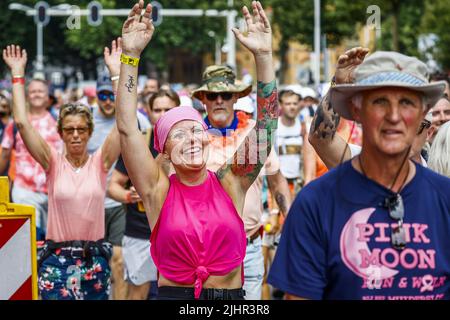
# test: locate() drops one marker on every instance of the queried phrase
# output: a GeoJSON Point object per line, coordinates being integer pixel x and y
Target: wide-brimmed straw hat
{"type": "Point", "coordinates": [221, 79]}
{"type": "Point", "coordinates": [386, 69]}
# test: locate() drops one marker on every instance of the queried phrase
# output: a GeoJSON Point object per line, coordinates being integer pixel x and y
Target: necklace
{"type": "Point", "coordinates": [397, 175]}
{"type": "Point", "coordinates": [77, 169]}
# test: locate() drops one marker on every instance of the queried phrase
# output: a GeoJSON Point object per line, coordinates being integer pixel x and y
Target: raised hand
{"type": "Point", "coordinates": [15, 59]}
{"type": "Point", "coordinates": [137, 31]}
{"type": "Point", "coordinates": [259, 37]}
{"type": "Point", "coordinates": [347, 64]}
{"type": "Point", "coordinates": [112, 57]}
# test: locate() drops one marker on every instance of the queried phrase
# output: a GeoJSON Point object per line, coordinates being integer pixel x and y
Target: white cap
{"type": "Point", "coordinates": [185, 101]}
{"type": "Point", "coordinates": [245, 104]}
{"type": "Point", "coordinates": [308, 92]}
{"type": "Point", "coordinates": [296, 88]}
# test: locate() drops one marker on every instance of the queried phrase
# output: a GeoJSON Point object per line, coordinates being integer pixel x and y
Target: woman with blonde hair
{"type": "Point", "coordinates": [74, 262]}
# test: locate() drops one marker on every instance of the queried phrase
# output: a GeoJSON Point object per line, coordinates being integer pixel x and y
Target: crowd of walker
{"type": "Point", "coordinates": [235, 192]}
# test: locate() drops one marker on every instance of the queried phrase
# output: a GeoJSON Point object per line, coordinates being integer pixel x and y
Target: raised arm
{"type": "Point", "coordinates": [253, 152]}
{"type": "Point", "coordinates": [309, 161]}
{"type": "Point", "coordinates": [279, 188]}
{"type": "Point", "coordinates": [111, 146]}
{"type": "Point", "coordinates": [16, 59]}
{"type": "Point", "coordinates": [112, 61]}
{"type": "Point", "coordinates": [143, 170]}
{"type": "Point", "coordinates": [330, 147]}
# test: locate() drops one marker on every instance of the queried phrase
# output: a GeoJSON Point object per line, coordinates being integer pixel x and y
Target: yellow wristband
{"type": "Point", "coordinates": [129, 60]}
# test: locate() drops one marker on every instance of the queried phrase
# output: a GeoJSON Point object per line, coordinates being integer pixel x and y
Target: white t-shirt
{"type": "Point", "coordinates": [289, 136]}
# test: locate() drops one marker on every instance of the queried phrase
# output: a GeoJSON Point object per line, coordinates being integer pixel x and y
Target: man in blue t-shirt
{"type": "Point", "coordinates": [376, 227]}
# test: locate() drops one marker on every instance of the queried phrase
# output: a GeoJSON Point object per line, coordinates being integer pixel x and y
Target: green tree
{"type": "Point", "coordinates": [187, 35]}
{"type": "Point", "coordinates": [81, 48]}
{"type": "Point", "coordinates": [437, 20]}
{"type": "Point", "coordinates": [294, 20]}
{"type": "Point", "coordinates": [400, 25]}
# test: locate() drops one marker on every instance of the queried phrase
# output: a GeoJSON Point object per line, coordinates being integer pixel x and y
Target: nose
{"type": "Point", "coordinates": [393, 114]}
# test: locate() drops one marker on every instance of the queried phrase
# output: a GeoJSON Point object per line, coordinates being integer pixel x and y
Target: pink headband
{"type": "Point", "coordinates": [169, 119]}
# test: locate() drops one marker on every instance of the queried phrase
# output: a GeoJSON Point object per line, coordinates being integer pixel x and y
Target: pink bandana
{"type": "Point", "coordinates": [169, 119]}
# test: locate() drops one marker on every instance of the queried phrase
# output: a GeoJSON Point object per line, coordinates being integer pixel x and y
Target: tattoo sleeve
{"type": "Point", "coordinates": [326, 120]}
{"type": "Point", "coordinates": [281, 201]}
{"type": "Point", "coordinates": [253, 152]}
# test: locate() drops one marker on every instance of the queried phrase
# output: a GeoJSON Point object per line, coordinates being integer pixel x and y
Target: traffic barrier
{"type": "Point", "coordinates": [18, 263]}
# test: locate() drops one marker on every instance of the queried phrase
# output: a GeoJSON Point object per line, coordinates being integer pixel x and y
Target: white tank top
{"type": "Point", "coordinates": [289, 136]}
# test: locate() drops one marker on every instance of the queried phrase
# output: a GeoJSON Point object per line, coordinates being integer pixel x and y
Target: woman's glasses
{"type": "Point", "coordinates": [397, 211]}
{"type": "Point", "coordinates": [71, 131]}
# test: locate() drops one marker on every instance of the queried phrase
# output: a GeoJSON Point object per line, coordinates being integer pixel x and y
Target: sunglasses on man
{"type": "Point", "coordinates": [212, 96]}
{"type": "Point", "coordinates": [103, 96]}
{"type": "Point", "coordinates": [425, 124]}
{"type": "Point", "coordinates": [396, 209]}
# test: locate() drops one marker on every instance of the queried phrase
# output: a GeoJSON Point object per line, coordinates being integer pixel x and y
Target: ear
{"type": "Point", "coordinates": [355, 112]}
{"type": "Point", "coordinates": [430, 133]}
{"type": "Point", "coordinates": [166, 155]}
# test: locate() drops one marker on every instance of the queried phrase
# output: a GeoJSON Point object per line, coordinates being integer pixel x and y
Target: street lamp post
{"type": "Point", "coordinates": [317, 42]}
{"type": "Point", "coordinates": [231, 41]}
{"type": "Point", "coordinates": [41, 18]}
{"type": "Point", "coordinates": [218, 49]}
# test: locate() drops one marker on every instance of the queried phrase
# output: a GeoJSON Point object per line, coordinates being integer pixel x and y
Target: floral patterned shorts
{"type": "Point", "coordinates": [67, 275]}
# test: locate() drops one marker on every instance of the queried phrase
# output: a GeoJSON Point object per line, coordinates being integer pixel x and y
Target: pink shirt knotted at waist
{"type": "Point", "coordinates": [199, 233]}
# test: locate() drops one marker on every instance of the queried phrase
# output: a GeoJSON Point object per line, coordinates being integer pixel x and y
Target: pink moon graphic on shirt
{"type": "Point", "coordinates": [351, 247]}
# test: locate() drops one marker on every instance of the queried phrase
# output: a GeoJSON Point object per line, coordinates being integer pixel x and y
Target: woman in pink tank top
{"type": "Point", "coordinates": [198, 241]}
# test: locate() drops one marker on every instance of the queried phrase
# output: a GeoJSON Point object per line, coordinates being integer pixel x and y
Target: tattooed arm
{"type": "Point", "coordinates": [147, 177]}
{"type": "Point", "coordinates": [330, 147]}
{"type": "Point", "coordinates": [280, 190]}
{"type": "Point", "coordinates": [251, 155]}
{"type": "Point", "coordinates": [322, 135]}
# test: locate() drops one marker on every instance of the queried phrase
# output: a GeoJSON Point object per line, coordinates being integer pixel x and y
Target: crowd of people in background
{"type": "Point", "coordinates": [152, 193]}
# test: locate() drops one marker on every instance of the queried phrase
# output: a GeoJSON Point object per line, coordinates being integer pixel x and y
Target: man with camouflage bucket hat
{"type": "Point", "coordinates": [220, 81]}
{"type": "Point", "coordinates": [227, 130]}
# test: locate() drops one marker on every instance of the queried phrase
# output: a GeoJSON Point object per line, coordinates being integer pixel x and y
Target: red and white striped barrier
{"type": "Point", "coordinates": [18, 276]}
